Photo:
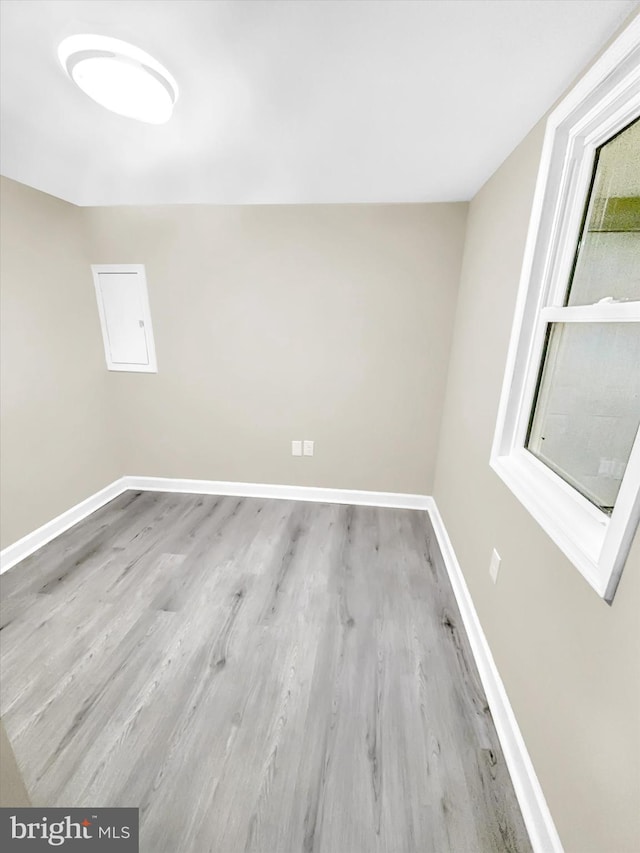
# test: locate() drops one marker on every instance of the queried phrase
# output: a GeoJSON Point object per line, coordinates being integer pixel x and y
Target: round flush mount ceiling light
{"type": "Point", "coordinates": [120, 77]}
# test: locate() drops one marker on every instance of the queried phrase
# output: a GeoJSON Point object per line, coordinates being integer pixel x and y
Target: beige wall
{"type": "Point", "coordinates": [570, 663]}
{"type": "Point", "coordinates": [330, 323]}
{"type": "Point", "coordinates": [56, 447]}
{"type": "Point", "coordinates": [13, 793]}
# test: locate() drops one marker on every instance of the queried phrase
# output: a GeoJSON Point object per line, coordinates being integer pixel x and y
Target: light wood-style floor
{"type": "Point", "coordinates": [255, 675]}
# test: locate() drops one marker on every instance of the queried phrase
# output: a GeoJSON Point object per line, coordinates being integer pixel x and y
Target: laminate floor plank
{"type": "Point", "coordinates": [256, 676]}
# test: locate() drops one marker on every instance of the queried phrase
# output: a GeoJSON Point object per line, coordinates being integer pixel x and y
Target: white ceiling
{"type": "Point", "coordinates": [293, 102]}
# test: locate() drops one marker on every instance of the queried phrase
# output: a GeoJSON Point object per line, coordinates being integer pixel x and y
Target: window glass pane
{"type": "Point", "coordinates": [587, 409]}
{"type": "Point", "coordinates": [608, 257]}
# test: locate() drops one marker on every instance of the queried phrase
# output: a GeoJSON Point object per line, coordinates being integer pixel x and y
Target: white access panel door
{"type": "Point", "coordinates": [124, 317]}
{"type": "Point", "coordinates": [123, 305]}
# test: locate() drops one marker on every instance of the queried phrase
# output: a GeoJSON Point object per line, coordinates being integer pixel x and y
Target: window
{"type": "Point", "coordinates": [567, 436]}
{"type": "Point", "coordinates": [125, 318]}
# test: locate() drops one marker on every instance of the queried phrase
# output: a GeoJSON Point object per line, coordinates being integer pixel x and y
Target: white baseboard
{"type": "Point", "coordinates": [537, 817]}
{"type": "Point", "coordinates": [12, 554]}
{"type": "Point", "coordinates": [289, 493]}
{"type": "Point", "coordinates": [538, 820]}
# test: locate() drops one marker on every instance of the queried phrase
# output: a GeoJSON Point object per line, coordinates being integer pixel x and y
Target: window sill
{"type": "Point", "coordinates": [576, 526]}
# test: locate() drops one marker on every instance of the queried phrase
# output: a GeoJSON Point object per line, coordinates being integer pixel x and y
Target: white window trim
{"type": "Point", "coordinates": [605, 100]}
{"type": "Point", "coordinates": [137, 269]}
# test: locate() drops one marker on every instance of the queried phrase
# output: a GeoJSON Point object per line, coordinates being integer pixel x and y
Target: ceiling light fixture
{"type": "Point", "coordinates": [120, 77]}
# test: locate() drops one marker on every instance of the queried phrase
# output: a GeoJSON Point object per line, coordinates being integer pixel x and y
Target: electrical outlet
{"type": "Point", "coordinates": [296, 448]}
{"type": "Point", "coordinates": [494, 565]}
{"type": "Point", "coordinates": [308, 448]}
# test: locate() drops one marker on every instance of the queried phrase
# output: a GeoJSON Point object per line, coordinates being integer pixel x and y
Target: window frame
{"type": "Point", "coordinates": [603, 102]}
